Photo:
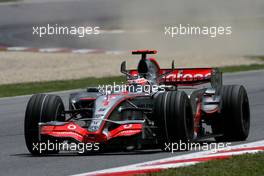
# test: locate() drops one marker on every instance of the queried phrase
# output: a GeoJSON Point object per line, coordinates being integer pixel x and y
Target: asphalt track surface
{"type": "Point", "coordinates": [16, 27]}
{"type": "Point", "coordinates": [15, 159]}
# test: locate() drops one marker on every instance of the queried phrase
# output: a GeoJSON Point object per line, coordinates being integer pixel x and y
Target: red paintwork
{"type": "Point", "coordinates": [183, 76]}
{"type": "Point", "coordinates": [72, 130]}
{"type": "Point", "coordinates": [197, 118]}
{"type": "Point", "coordinates": [153, 60]}
{"type": "Point", "coordinates": [130, 173]}
{"type": "Point", "coordinates": [126, 130]}
{"type": "Point", "coordinates": [187, 75]}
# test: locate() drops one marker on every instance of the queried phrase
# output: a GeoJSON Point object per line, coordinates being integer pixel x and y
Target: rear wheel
{"type": "Point", "coordinates": [234, 119]}
{"type": "Point", "coordinates": [173, 117]}
{"type": "Point", "coordinates": [41, 108]}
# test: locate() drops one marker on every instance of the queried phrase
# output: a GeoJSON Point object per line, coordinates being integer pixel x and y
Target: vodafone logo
{"type": "Point", "coordinates": [71, 127]}
{"type": "Point", "coordinates": [181, 76]}
{"type": "Point", "coordinates": [138, 81]}
{"type": "Point", "coordinates": [128, 126]}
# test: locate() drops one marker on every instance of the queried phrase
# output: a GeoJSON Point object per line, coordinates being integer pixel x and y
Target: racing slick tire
{"type": "Point", "coordinates": [41, 108]}
{"type": "Point", "coordinates": [173, 117]}
{"type": "Point", "coordinates": [234, 119]}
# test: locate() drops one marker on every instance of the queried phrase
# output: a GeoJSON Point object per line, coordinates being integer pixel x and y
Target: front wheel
{"type": "Point", "coordinates": [41, 108]}
{"type": "Point", "coordinates": [173, 117]}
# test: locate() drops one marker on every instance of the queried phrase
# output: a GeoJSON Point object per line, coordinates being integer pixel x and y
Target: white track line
{"type": "Point", "coordinates": [181, 160]}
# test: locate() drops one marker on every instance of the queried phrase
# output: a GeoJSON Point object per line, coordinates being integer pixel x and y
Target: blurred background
{"type": "Point", "coordinates": [137, 24]}
{"type": "Point", "coordinates": [142, 23]}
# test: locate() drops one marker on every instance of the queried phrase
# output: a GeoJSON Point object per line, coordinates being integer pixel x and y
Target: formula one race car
{"type": "Point", "coordinates": [155, 106]}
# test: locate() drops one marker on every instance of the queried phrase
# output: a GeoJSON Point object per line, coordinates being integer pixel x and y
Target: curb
{"type": "Point", "coordinates": [180, 160]}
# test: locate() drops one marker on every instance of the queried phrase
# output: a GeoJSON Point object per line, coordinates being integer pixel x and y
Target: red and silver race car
{"type": "Point", "coordinates": [156, 106]}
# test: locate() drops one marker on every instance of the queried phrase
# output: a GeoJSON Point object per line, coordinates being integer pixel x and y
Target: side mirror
{"type": "Point", "coordinates": [172, 65]}
{"type": "Point", "coordinates": [124, 70]}
{"type": "Point", "coordinates": [123, 67]}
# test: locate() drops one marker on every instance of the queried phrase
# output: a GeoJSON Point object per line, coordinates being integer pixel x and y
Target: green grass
{"type": "Point", "coordinates": [261, 58]}
{"type": "Point", "coordinates": [239, 68]}
{"type": "Point", "coordinates": [50, 86]}
{"type": "Point", "coordinates": [243, 165]}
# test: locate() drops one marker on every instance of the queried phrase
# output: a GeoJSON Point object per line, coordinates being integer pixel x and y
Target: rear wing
{"type": "Point", "coordinates": [144, 53]}
{"type": "Point", "coordinates": [188, 76]}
